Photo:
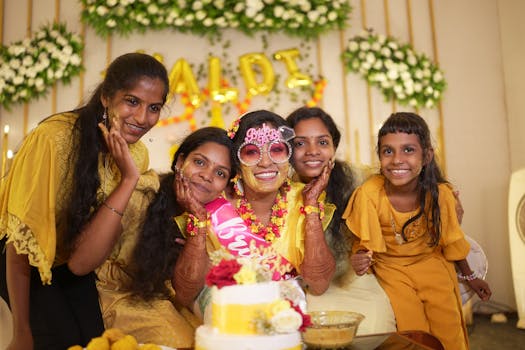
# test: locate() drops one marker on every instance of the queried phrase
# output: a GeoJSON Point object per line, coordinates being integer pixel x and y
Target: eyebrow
{"type": "Point", "coordinates": [313, 137]}
{"type": "Point", "coordinates": [138, 98]}
{"type": "Point", "coordinates": [224, 167]}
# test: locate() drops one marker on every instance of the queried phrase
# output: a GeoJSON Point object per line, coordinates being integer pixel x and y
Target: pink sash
{"type": "Point", "coordinates": [233, 234]}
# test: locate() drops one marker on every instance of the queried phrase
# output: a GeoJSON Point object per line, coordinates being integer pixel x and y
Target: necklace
{"type": "Point", "coordinates": [271, 231]}
{"type": "Point", "coordinates": [412, 229]}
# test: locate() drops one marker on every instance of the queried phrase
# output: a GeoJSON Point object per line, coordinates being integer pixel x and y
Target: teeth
{"type": "Point", "coordinates": [138, 128]}
{"type": "Point", "coordinates": [313, 162]}
{"type": "Point", "coordinates": [399, 172]}
{"type": "Point", "coordinates": [266, 175]}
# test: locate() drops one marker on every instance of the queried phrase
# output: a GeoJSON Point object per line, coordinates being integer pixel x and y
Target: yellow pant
{"type": "Point", "coordinates": [424, 296]}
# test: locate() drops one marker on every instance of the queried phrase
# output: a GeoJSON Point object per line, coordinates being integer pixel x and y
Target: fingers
{"type": "Point", "coordinates": [361, 261]}
{"type": "Point", "coordinates": [180, 241]}
{"type": "Point", "coordinates": [105, 132]}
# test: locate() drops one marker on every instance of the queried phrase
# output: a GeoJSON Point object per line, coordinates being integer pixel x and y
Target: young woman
{"type": "Point", "coordinates": [275, 213]}
{"type": "Point", "coordinates": [75, 189]}
{"type": "Point", "coordinates": [138, 299]}
{"type": "Point", "coordinates": [408, 232]}
{"type": "Point", "coordinates": [314, 146]}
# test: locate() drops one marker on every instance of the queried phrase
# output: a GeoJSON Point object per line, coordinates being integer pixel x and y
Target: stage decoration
{"type": "Point", "coordinates": [396, 69]}
{"type": "Point", "coordinates": [249, 65]}
{"type": "Point", "coordinates": [182, 80]}
{"type": "Point", "coordinates": [187, 115]}
{"type": "Point", "coordinates": [305, 18]}
{"type": "Point", "coordinates": [295, 78]}
{"type": "Point", "coordinates": [30, 66]}
{"type": "Point", "coordinates": [318, 93]}
{"type": "Point", "coordinates": [218, 93]}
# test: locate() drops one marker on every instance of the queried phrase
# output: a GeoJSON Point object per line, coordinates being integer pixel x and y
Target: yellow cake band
{"type": "Point", "coordinates": [236, 318]}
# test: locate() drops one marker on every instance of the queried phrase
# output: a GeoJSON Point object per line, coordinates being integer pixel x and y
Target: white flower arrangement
{"type": "Point", "coordinates": [396, 69]}
{"type": "Point", "coordinates": [303, 18]}
{"type": "Point", "coordinates": [30, 66]}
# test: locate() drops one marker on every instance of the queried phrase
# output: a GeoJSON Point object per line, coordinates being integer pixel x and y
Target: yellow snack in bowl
{"type": "Point", "coordinates": [98, 343]}
{"type": "Point", "coordinates": [150, 347]}
{"type": "Point", "coordinates": [113, 334]}
{"type": "Point", "coordinates": [128, 342]}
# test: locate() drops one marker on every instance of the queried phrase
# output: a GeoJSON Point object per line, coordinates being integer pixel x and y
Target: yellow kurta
{"type": "Point", "coordinates": [420, 280]}
{"type": "Point", "coordinates": [33, 200]}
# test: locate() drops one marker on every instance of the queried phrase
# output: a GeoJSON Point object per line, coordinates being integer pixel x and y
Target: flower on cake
{"type": "Point", "coordinates": [229, 271]}
{"type": "Point", "coordinates": [284, 315]}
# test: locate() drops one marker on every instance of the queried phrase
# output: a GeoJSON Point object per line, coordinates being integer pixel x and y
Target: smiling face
{"type": "Point", "coordinates": [266, 176]}
{"type": "Point", "coordinates": [138, 109]}
{"type": "Point", "coordinates": [208, 169]}
{"type": "Point", "coordinates": [313, 148]}
{"type": "Point", "coordinates": [402, 158]}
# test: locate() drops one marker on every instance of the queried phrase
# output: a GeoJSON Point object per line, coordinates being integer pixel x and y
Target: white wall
{"type": "Point", "coordinates": [469, 41]}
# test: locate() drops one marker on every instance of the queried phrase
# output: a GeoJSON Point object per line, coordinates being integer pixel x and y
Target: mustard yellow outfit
{"type": "Point", "coordinates": [420, 281]}
{"type": "Point", "coordinates": [33, 200]}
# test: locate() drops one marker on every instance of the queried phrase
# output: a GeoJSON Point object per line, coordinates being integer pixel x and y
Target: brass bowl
{"type": "Point", "coordinates": [331, 329]}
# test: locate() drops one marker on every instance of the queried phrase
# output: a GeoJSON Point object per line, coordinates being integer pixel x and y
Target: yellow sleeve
{"type": "Point", "coordinates": [362, 218]}
{"type": "Point", "coordinates": [29, 194]}
{"type": "Point", "coordinates": [455, 246]}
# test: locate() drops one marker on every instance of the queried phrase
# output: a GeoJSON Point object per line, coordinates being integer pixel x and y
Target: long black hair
{"type": "Point", "coordinates": [156, 251]}
{"type": "Point", "coordinates": [341, 183]}
{"type": "Point", "coordinates": [430, 176]}
{"type": "Point", "coordinates": [121, 75]}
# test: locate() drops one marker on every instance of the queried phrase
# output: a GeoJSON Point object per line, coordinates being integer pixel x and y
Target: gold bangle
{"type": "Point", "coordinates": [119, 213]}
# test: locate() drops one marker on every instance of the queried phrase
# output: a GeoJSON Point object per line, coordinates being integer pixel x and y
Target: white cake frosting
{"type": "Point", "coordinates": [232, 325]}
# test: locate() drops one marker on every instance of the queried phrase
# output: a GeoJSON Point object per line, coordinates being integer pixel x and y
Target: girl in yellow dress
{"type": "Point", "coordinates": [74, 194]}
{"type": "Point", "coordinates": [408, 233]}
{"type": "Point", "coordinates": [201, 169]}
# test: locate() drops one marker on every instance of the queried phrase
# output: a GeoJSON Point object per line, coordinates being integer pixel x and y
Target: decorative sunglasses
{"type": "Point", "coordinates": [279, 151]}
{"type": "Point", "coordinates": [275, 140]}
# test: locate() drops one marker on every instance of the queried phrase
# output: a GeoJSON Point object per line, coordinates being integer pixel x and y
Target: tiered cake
{"type": "Point", "coordinates": [251, 316]}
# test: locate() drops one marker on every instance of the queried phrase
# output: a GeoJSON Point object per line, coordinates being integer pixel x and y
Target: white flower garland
{"type": "Point", "coordinates": [30, 66]}
{"type": "Point", "coordinates": [303, 18]}
{"type": "Point", "coordinates": [409, 77]}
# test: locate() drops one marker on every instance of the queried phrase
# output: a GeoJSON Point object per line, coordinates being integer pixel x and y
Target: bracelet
{"type": "Point", "coordinates": [194, 224]}
{"type": "Point", "coordinates": [119, 213]}
{"type": "Point", "coordinates": [309, 209]}
{"type": "Point", "coordinates": [468, 278]}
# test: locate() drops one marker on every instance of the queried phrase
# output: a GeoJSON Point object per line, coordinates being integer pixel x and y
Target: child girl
{"type": "Point", "coordinates": [408, 232]}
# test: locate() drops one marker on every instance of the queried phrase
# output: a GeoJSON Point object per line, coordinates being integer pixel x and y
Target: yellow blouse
{"type": "Point", "coordinates": [371, 217]}
{"type": "Point", "coordinates": [34, 196]}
